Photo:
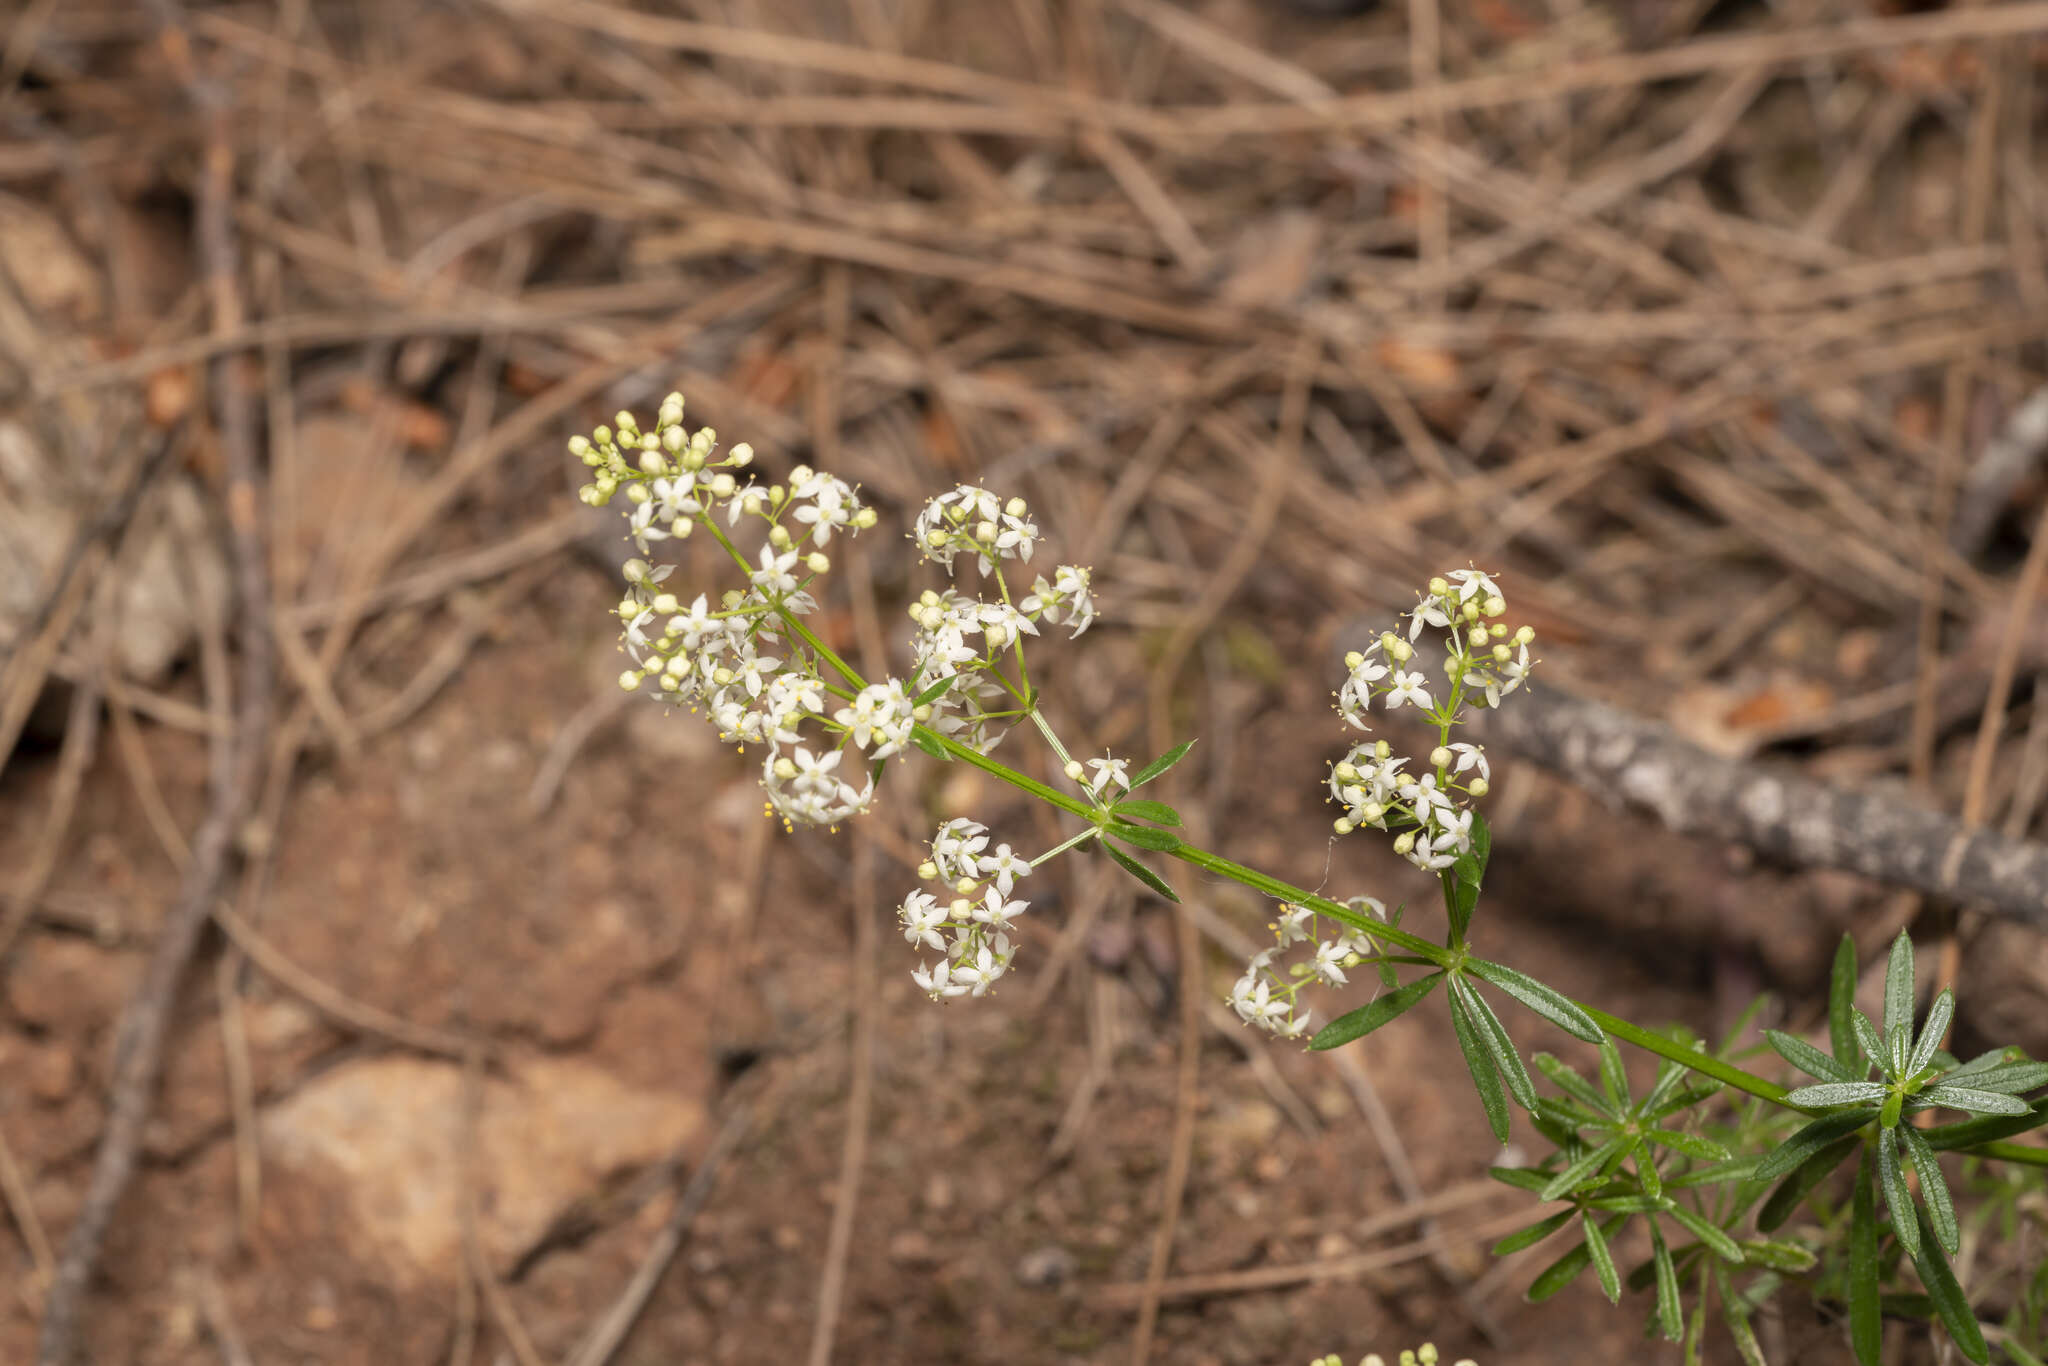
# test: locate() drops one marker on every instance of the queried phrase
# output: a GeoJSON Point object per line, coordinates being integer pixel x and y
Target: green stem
{"type": "Point", "coordinates": [2023, 1153]}
{"type": "Point", "coordinates": [1703, 1063]}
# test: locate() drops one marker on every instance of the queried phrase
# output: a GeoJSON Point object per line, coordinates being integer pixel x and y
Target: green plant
{"type": "Point", "coordinates": [1713, 1158]}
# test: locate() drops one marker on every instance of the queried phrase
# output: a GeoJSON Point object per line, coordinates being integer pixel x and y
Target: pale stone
{"type": "Point", "coordinates": [390, 1131]}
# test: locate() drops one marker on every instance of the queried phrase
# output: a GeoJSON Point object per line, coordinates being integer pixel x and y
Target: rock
{"type": "Point", "coordinates": [388, 1134]}
{"type": "Point", "coordinates": [177, 572]}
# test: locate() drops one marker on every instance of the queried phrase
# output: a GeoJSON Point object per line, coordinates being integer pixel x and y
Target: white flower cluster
{"type": "Point", "coordinates": [1267, 997]}
{"type": "Point", "coordinates": [1425, 1355]}
{"type": "Point", "coordinates": [965, 638]}
{"type": "Point", "coordinates": [970, 926]}
{"type": "Point", "coordinates": [736, 661]}
{"type": "Point", "coordinates": [1483, 662]}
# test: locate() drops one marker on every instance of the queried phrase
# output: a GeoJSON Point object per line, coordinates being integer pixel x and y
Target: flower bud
{"type": "Point", "coordinates": [985, 532]}
{"type": "Point", "coordinates": [1477, 637]}
{"type": "Point", "coordinates": [1352, 660]}
{"type": "Point", "coordinates": [928, 870]}
{"type": "Point", "coordinates": [1495, 605]}
{"type": "Point", "coordinates": [784, 769]}
{"type": "Point", "coordinates": [1382, 751]}
{"type": "Point", "coordinates": [740, 456]}
{"type": "Point", "coordinates": [630, 680]}
{"type": "Point", "coordinates": [1479, 787]}
{"type": "Point", "coordinates": [666, 604]}
{"type": "Point", "coordinates": [1501, 654]}
{"type": "Point", "coordinates": [1525, 635]}
{"type": "Point", "coordinates": [1404, 843]}
{"type": "Point", "coordinates": [1345, 772]}
{"type": "Point", "coordinates": [636, 494]}
{"type": "Point", "coordinates": [1015, 507]}
{"type": "Point", "coordinates": [1439, 756]}
{"type": "Point", "coordinates": [1373, 813]}
{"type": "Point", "coordinates": [722, 485]}
{"type": "Point", "coordinates": [778, 536]}
{"type": "Point", "coordinates": [635, 570]}
{"type": "Point", "coordinates": [1073, 770]}
{"type": "Point", "coordinates": [591, 495]}
{"type": "Point", "coordinates": [1439, 586]}
{"type": "Point", "coordinates": [579, 446]}
{"type": "Point", "coordinates": [678, 666]}
{"type": "Point", "coordinates": [601, 434]}
{"type": "Point", "coordinates": [817, 562]}
{"type": "Point", "coordinates": [626, 422]}
{"type": "Point", "coordinates": [673, 440]}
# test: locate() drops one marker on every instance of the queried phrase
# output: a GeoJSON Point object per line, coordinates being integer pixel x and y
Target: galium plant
{"type": "Point", "coordinates": [1713, 1158]}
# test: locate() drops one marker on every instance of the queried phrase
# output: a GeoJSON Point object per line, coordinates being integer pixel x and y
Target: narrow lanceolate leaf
{"type": "Point", "coordinates": [935, 691]}
{"type": "Point", "coordinates": [1714, 1173]}
{"type": "Point", "coordinates": [1565, 1078]}
{"type": "Point", "coordinates": [1866, 1320]}
{"type": "Point", "coordinates": [1603, 1260]}
{"type": "Point", "coordinates": [1949, 1300]}
{"type": "Point", "coordinates": [1479, 1062]}
{"type": "Point", "coordinates": [1140, 872]}
{"type": "Point", "coordinates": [1932, 1031]}
{"type": "Point", "coordinates": [1692, 1145]}
{"type": "Point", "coordinates": [1533, 1234]}
{"type": "Point", "coordinates": [1505, 1055]}
{"type": "Point", "coordinates": [1559, 1273]}
{"type": "Point", "coordinates": [1144, 837]}
{"type": "Point", "coordinates": [1157, 812]}
{"type": "Point", "coordinates": [1973, 1100]}
{"type": "Point", "coordinates": [1768, 1252]}
{"type": "Point", "coordinates": [1841, 1005]}
{"type": "Point", "coordinates": [1551, 1004]}
{"type": "Point", "coordinates": [1358, 1023]}
{"type": "Point", "coordinates": [1715, 1237]}
{"type": "Point", "coordinates": [2009, 1079]}
{"type": "Point", "coordinates": [1839, 1093]}
{"type": "Point", "coordinates": [1794, 1189]}
{"type": "Point", "coordinates": [1613, 1076]}
{"type": "Point", "coordinates": [925, 742]}
{"type": "Point", "coordinates": [1867, 1038]}
{"type": "Point", "coordinates": [1521, 1178]}
{"type": "Point", "coordinates": [1735, 1313]}
{"type": "Point", "coordinates": [1807, 1058]}
{"type": "Point", "coordinates": [1941, 1211]}
{"type": "Point", "coordinates": [1670, 1317]}
{"type": "Point", "coordinates": [1898, 985]}
{"type": "Point", "coordinates": [1966, 1133]}
{"type": "Point", "coordinates": [1162, 763]}
{"type": "Point", "coordinates": [1462, 879]}
{"type": "Point", "coordinates": [1989, 1061]}
{"type": "Point", "coordinates": [1795, 1151]}
{"type": "Point", "coordinates": [1891, 1179]}
{"type": "Point", "coordinates": [1588, 1166]}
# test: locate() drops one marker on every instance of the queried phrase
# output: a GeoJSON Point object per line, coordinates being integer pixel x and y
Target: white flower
{"type": "Point", "coordinates": [979, 973]}
{"type": "Point", "coordinates": [1356, 695]}
{"type": "Point", "coordinates": [1471, 756]}
{"type": "Point", "coordinates": [774, 574]}
{"type": "Point", "coordinates": [831, 504]}
{"type": "Point", "coordinates": [923, 918]}
{"type": "Point", "coordinates": [1472, 583]}
{"type": "Point", "coordinates": [1294, 924]}
{"type": "Point", "coordinates": [1253, 1000]}
{"type": "Point", "coordinates": [1408, 688]}
{"type": "Point", "coordinates": [1006, 866]}
{"type": "Point", "coordinates": [1431, 859]}
{"type": "Point", "coordinates": [956, 846]}
{"type": "Point", "coordinates": [937, 980]}
{"type": "Point", "coordinates": [996, 912]}
{"type": "Point", "coordinates": [1428, 612]}
{"type": "Point", "coordinates": [1329, 963]}
{"type": "Point", "coordinates": [1110, 771]}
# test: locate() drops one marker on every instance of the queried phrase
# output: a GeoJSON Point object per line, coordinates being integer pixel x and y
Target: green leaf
{"type": "Point", "coordinates": [1972, 1100]}
{"type": "Point", "coordinates": [2010, 1080]}
{"type": "Point", "coordinates": [1462, 879]}
{"type": "Point", "coordinates": [935, 691]}
{"type": "Point", "coordinates": [1505, 1055]}
{"type": "Point", "coordinates": [1989, 1061]}
{"type": "Point", "coordinates": [1358, 1023]}
{"type": "Point", "coordinates": [1613, 1076]}
{"type": "Point", "coordinates": [1868, 1040]}
{"type": "Point", "coordinates": [1692, 1095]}
{"type": "Point", "coordinates": [1795, 1188]}
{"type": "Point", "coordinates": [1894, 1106]}
{"type": "Point", "coordinates": [1965, 1133]}
{"type": "Point", "coordinates": [1841, 1005]}
{"type": "Point", "coordinates": [1533, 1234]}
{"type": "Point", "coordinates": [1140, 872]}
{"type": "Point", "coordinates": [1158, 812]}
{"type": "Point", "coordinates": [925, 741]}
{"type": "Point", "coordinates": [1562, 1075]}
{"type": "Point", "coordinates": [1735, 1314]}
{"type": "Point", "coordinates": [1891, 1179]}
{"type": "Point", "coordinates": [1838, 1093]}
{"type": "Point", "coordinates": [1949, 1300]}
{"type": "Point", "coordinates": [1551, 1004]}
{"type": "Point", "coordinates": [1588, 1165]}
{"type": "Point", "coordinates": [1558, 1274]}
{"type": "Point", "coordinates": [1866, 1320]}
{"type": "Point", "coordinates": [1716, 1238]}
{"type": "Point", "coordinates": [1162, 763]}
{"type": "Point", "coordinates": [1715, 1173]}
{"type": "Point", "coordinates": [1898, 1044]}
{"type": "Point", "coordinates": [1778, 1256]}
{"type": "Point", "coordinates": [1479, 1062]}
{"type": "Point", "coordinates": [1796, 1150]}
{"type": "Point", "coordinates": [1603, 1260]}
{"type": "Point", "coordinates": [1898, 986]}
{"type": "Point", "coordinates": [1941, 1211]}
{"type": "Point", "coordinates": [1521, 1178]}
{"type": "Point", "coordinates": [1144, 837]}
{"type": "Point", "coordinates": [1692, 1145]}
{"type": "Point", "coordinates": [1936, 1025]}
{"type": "Point", "coordinates": [1807, 1058]}
{"type": "Point", "coordinates": [1670, 1315]}
{"type": "Point", "coordinates": [1627, 1204]}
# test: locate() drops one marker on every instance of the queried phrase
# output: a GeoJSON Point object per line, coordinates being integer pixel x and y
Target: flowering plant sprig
{"type": "Point", "coordinates": [747, 660]}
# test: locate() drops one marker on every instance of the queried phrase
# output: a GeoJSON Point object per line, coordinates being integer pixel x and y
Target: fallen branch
{"type": "Point", "coordinates": [1880, 835]}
